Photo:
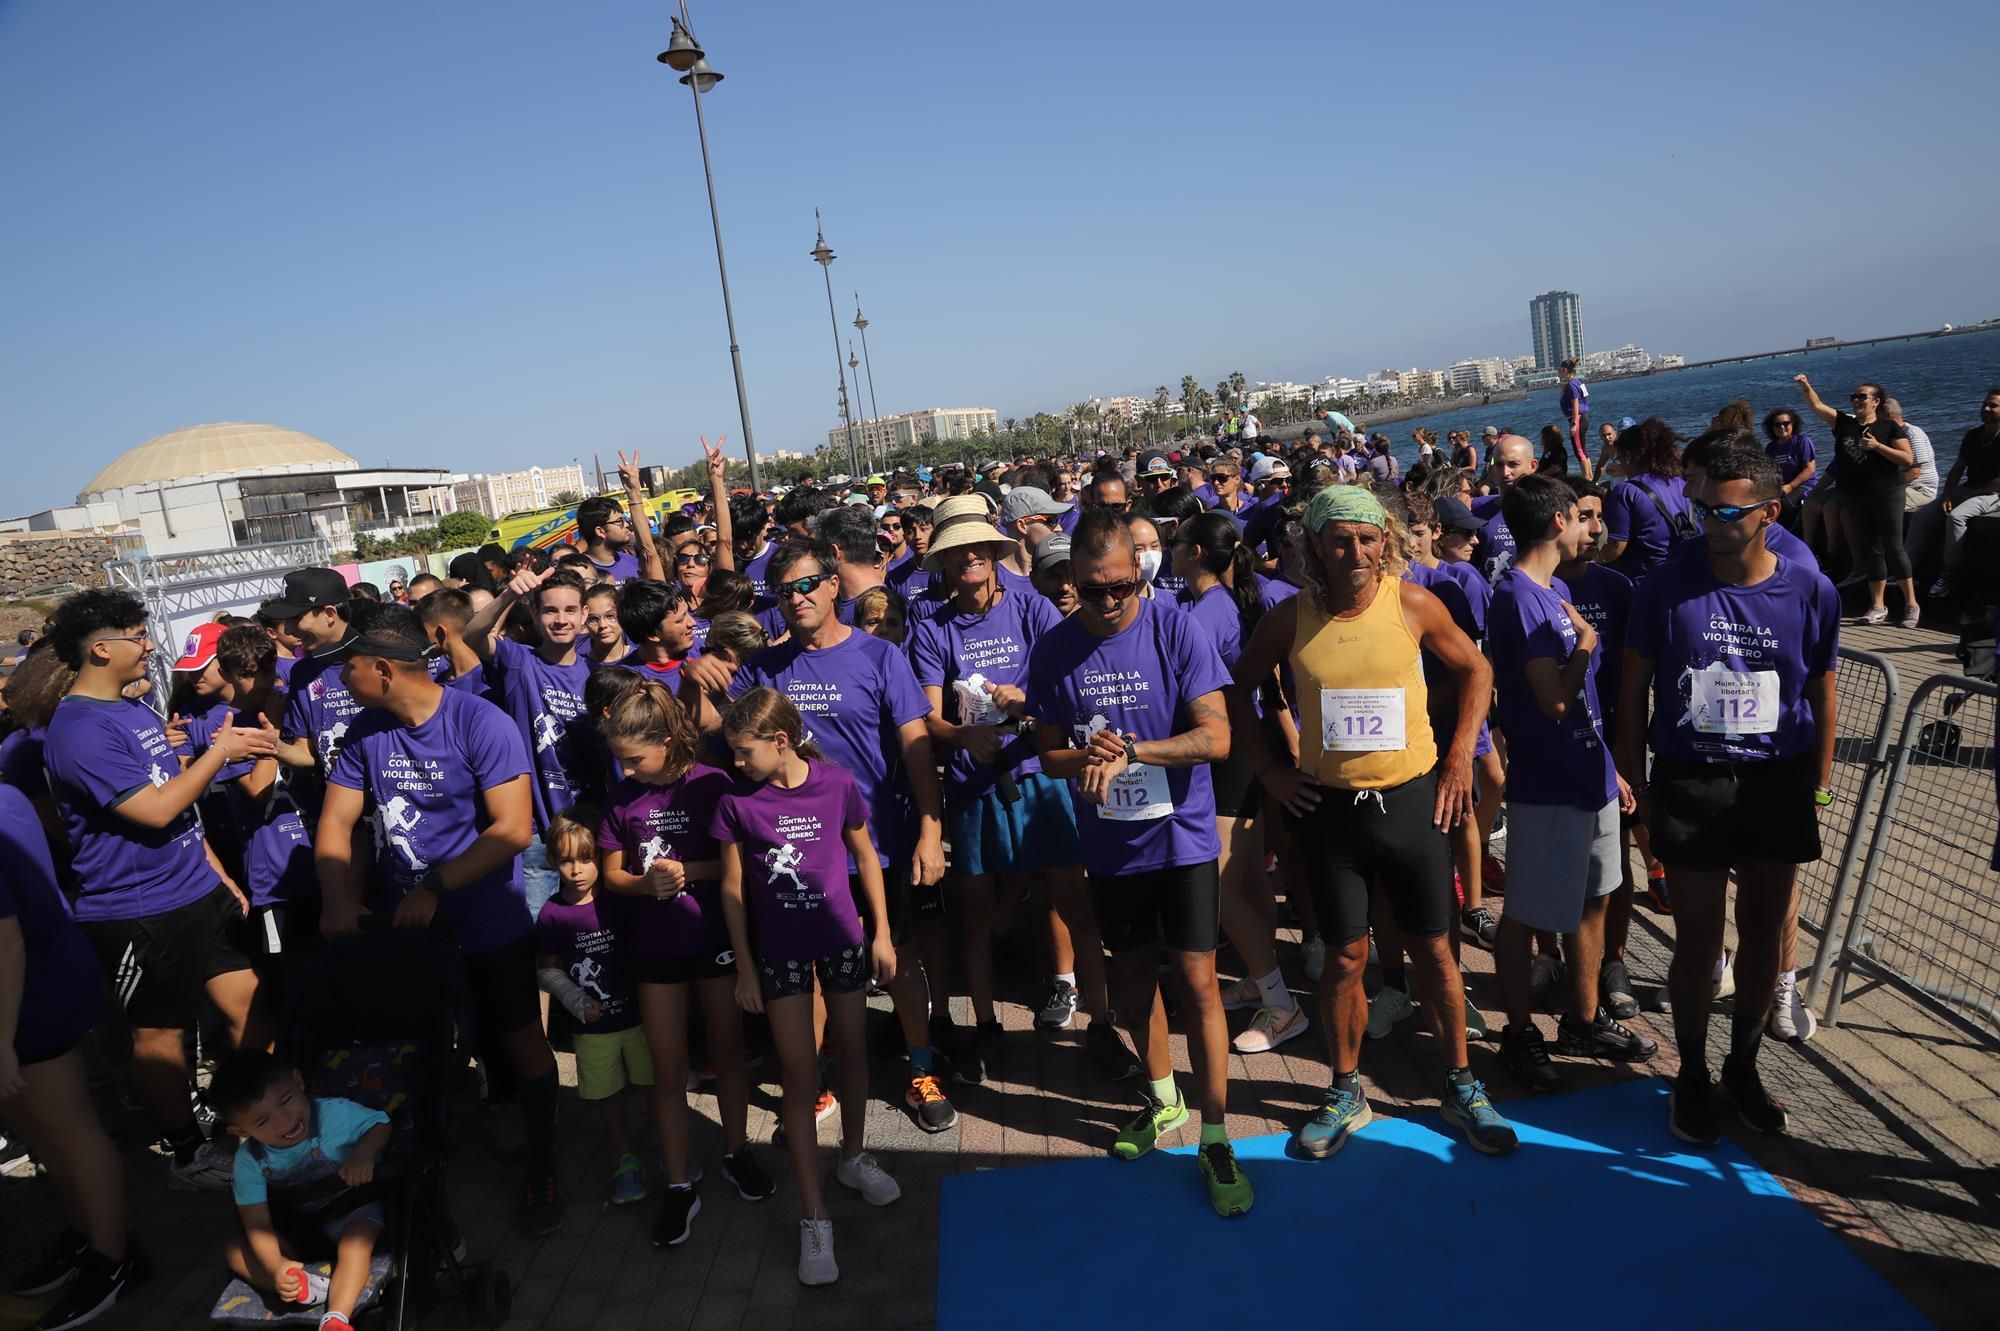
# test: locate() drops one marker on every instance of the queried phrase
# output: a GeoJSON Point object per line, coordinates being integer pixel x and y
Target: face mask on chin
{"type": "Point", "coordinates": [1149, 565]}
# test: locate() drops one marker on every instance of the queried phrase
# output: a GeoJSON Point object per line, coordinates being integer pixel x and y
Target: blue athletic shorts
{"type": "Point", "coordinates": [1037, 831]}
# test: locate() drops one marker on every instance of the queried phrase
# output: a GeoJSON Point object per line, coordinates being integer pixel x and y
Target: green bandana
{"type": "Point", "coordinates": [1344, 503]}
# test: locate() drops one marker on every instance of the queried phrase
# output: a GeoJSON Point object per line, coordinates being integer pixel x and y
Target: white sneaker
{"type": "Point", "coordinates": [1314, 949]}
{"type": "Point", "coordinates": [1724, 979]}
{"type": "Point", "coordinates": [816, 1264]}
{"type": "Point", "coordinates": [212, 1168]}
{"type": "Point", "coordinates": [1271, 1027]}
{"type": "Point", "coordinates": [1389, 1006]}
{"type": "Point", "coordinates": [1242, 995]}
{"type": "Point", "coordinates": [316, 1288]}
{"type": "Point", "coordinates": [1790, 1018]}
{"type": "Point", "coordinates": [869, 1179]}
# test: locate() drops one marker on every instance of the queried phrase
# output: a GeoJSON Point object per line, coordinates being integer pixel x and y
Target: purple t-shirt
{"type": "Point", "coordinates": [1574, 392]}
{"type": "Point", "coordinates": [1215, 610]}
{"type": "Point", "coordinates": [1138, 681]}
{"type": "Point", "coordinates": [910, 579]}
{"type": "Point", "coordinates": [1731, 664]}
{"type": "Point", "coordinates": [545, 702]}
{"type": "Point", "coordinates": [21, 762]}
{"type": "Point", "coordinates": [1631, 515]}
{"type": "Point", "coordinates": [670, 822]}
{"type": "Point", "coordinates": [98, 754]}
{"type": "Point", "coordinates": [946, 647]}
{"type": "Point", "coordinates": [472, 681]}
{"type": "Point", "coordinates": [854, 698]}
{"type": "Point", "coordinates": [63, 987]}
{"type": "Point", "coordinates": [623, 568]}
{"type": "Point", "coordinates": [1792, 455]}
{"type": "Point", "coordinates": [320, 709]}
{"type": "Point", "coordinates": [1477, 589]}
{"type": "Point", "coordinates": [843, 609]}
{"type": "Point", "coordinates": [1778, 540]}
{"type": "Point", "coordinates": [586, 940]}
{"type": "Point", "coordinates": [1493, 550]}
{"type": "Point", "coordinates": [794, 852]}
{"type": "Point", "coordinates": [1562, 762]}
{"type": "Point", "coordinates": [758, 570]}
{"type": "Point", "coordinates": [277, 851]}
{"type": "Point", "coordinates": [1603, 596]}
{"type": "Point", "coordinates": [1274, 591]}
{"type": "Point", "coordinates": [426, 781]}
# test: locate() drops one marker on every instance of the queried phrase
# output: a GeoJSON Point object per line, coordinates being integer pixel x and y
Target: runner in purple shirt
{"type": "Point", "coordinates": [1734, 657]}
{"type": "Point", "coordinates": [1128, 699]}
{"type": "Point", "coordinates": [450, 783]}
{"type": "Point", "coordinates": [788, 832]}
{"type": "Point", "coordinates": [606, 534]}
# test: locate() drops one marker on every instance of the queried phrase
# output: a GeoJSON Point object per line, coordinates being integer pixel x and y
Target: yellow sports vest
{"type": "Point", "coordinates": [1364, 719]}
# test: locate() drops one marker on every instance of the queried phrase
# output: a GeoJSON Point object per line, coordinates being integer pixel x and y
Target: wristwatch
{"type": "Point", "coordinates": [432, 882]}
{"type": "Point", "coordinates": [1822, 797]}
{"type": "Point", "coordinates": [1131, 752]}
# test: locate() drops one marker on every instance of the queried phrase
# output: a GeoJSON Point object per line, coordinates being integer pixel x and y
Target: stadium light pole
{"type": "Point", "coordinates": [685, 55]}
{"type": "Point", "coordinates": [824, 257]}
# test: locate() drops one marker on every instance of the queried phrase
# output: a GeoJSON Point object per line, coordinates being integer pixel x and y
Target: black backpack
{"type": "Point", "coordinates": [1681, 525]}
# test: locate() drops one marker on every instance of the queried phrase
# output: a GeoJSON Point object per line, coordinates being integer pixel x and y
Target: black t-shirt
{"type": "Point", "coordinates": [1981, 456]}
{"type": "Point", "coordinates": [1861, 467]}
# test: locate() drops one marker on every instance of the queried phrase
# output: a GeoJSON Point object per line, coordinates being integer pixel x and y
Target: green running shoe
{"type": "Point", "coordinates": [1228, 1191]}
{"type": "Point", "coordinates": [1137, 1137]}
{"type": "Point", "coordinates": [1467, 1109]}
{"type": "Point", "coordinates": [1342, 1113]}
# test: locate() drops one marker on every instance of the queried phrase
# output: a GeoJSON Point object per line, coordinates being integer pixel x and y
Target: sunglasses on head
{"type": "Point", "coordinates": [1724, 513]}
{"type": "Point", "coordinates": [1115, 592]}
{"type": "Point", "coordinates": [805, 586]}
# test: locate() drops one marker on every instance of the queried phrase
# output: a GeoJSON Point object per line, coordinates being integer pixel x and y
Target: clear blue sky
{"type": "Point", "coordinates": [473, 235]}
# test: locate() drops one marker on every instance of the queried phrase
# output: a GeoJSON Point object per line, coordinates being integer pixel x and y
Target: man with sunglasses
{"type": "Point", "coordinates": [1128, 698]}
{"type": "Point", "coordinates": [164, 923]}
{"type": "Point", "coordinates": [608, 537]}
{"type": "Point", "coordinates": [1272, 481]}
{"type": "Point", "coordinates": [1028, 517]}
{"type": "Point", "coordinates": [1155, 474]}
{"type": "Point", "coordinates": [889, 540]}
{"type": "Point", "coordinates": [1729, 681]}
{"type": "Point", "coordinates": [1107, 491]}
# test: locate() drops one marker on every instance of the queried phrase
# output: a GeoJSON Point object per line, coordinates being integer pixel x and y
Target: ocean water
{"type": "Point", "coordinates": [1939, 381]}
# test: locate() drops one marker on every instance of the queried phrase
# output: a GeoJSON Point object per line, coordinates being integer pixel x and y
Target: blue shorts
{"type": "Point", "coordinates": [1037, 831]}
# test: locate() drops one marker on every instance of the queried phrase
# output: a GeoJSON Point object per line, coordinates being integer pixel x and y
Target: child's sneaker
{"type": "Point", "coordinates": [752, 1184]}
{"type": "Point", "coordinates": [677, 1212]}
{"type": "Point", "coordinates": [335, 1322]}
{"type": "Point", "coordinates": [816, 1264]}
{"type": "Point", "coordinates": [628, 1181]}
{"type": "Point", "coordinates": [868, 1178]}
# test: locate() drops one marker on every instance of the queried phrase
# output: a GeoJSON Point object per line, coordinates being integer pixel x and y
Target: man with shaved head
{"type": "Point", "coordinates": [1493, 553]}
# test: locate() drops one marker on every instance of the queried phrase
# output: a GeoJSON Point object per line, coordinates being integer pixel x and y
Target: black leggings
{"type": "Point", "coordinates": [1878, 530]}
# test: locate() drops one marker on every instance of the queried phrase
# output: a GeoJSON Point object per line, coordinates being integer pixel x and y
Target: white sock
{"type": "Point", "coordinates": [1790, 977]}
{"type": "Point", "coordinates": [1272, 987]}
{"type": "Point", "coordinates": [1721, 965]}
{"type": "Point", "coordinates": [1068, 978]}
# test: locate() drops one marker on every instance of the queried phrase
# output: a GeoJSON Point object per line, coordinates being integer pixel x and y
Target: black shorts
{"type": "Point", "coordinates": [505, 996]}
{"type": "Point", "coordinates": [1356, 836]}
{"type": "Point", "coordinates": [1179, 906]}
{"type": "Point", "coordinates": [160, 965]}
{"type": "Point", "coordinates": [905, 901]}
{"type": "Point", "coordinates": [283, 929]}
{"type": "Point", "coordinates": [1237, 792]}
{"type": "Point", "coordinates": [1710, 817]}
{"type": "Point", "coordinates": [714, 965]}
{"type": "Point", "coordinates": [844, 972]}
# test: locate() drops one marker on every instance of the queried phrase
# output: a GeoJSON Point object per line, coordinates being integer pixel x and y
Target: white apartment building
{"type": "Point", "coordinates": [497, 494]}
{"type": "Point", "coordinates": [907, 430]}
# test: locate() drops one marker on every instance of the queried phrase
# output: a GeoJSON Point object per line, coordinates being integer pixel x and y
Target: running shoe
{"type": "Point", "coordinates": [15, 1160]}
{"type": "Point", "coordinates": [1723, 982]}
{"type": "Point", "coordinates": [1913, 615]}
{"type": "Point", "coordinates": [98, 1283]}
{"type": "Point", "coordinates": [1467, 1109]}
{"type": "Point", "coordinates": [825, 1107]}
{"type": "Point", "coordinates": [740, 1167]}
{"type": "Point", "coordinates": [1059, 1008]}
{"type": "Point", "coordinates": [928, 1104]}
{"type": "Point", "coordinates": [1492, 876]}
{"type": "Point", "coordinates": [1614, 989]}
{"type": "Point", "coordinates": [1527, 1057]}
{"type": "Point", "coordinates": [1548, 979]}
{"type": "Point", "coordinates": [628, 1181]}
{"type": "Point", "coordinates": [1941, 588]}
{"type": "Point", "coordinates": [1791, 1019]}
{"type": "Point", "coordinates": [677, 1212]}
{"type": "Point", "coordinates": [1271, 1027]}
{"type": "Point", "coordinates": [1108, 1051]}
{"type": "Point", "coordinates": [1691, 1109]}
{"type": "Point", "coordinates": [335, 1322]}
{"type": "Point", "coordinates": [1475, 1020]}
{"type": "Point", "coordinates": [1245, 994]}
{"type": "Point", "coordinates": [1146, 1127]}
{"type": "Point", "coordinates": [542, 1206]}
{"type": "Point", "coordinates": [1313, 954]}
{"type": "Point", "coordinates": [1343, 1111]}
{"type": "Point", "coordinates": [1875, 615]}
{"type": "Point", "coordinates": [1606, 1037]}
{"type": "Point", "coordinates": [1228, 1190]}
{"type": "Point", "coordinates": [210, 1168]}
{"type": "Point", "coordinates": [58, 1268]}
{"type": "Point", "coordinates": [816, 1264]}
{"type": "Point", "coordinates": [1754, 1105]}
{"type": "Point", "coordinates": [1479, 926]}
{"type": "Point", "coordinates": [1390, 1005]}
{"type": "Point", "coordinates": [867, 1177]}
{"type": "Point", "coordinates": [1656, 891]}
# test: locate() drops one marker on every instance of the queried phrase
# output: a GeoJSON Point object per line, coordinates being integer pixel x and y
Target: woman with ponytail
{"type": "Point", "coordinates": [660, 853]}
{"type": "Point", "coordinates": [1222, 596]}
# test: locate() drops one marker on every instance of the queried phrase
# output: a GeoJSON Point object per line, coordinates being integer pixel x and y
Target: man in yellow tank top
{"type": "Point", "coordinates": [1369, 797]}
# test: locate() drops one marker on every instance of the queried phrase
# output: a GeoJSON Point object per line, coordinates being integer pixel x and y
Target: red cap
{"type": "Point", "coordinates": [199, 649]}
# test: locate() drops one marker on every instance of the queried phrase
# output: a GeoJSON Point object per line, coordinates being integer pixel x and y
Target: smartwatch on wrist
{"type": "Point", "coordinates": [1131, 752]}
{"type": "Point", "coordinates": [1823, 797]}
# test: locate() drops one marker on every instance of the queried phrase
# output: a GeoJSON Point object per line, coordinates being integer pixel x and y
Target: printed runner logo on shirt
{"type": "Point", "coordinates": [655, 848]}
{"type": "Point", "coordinates": [395, 820]}
{"type": "Point", "coordinates": [784, 861]}
{"type": "Point", "coordinates": [587, 973]}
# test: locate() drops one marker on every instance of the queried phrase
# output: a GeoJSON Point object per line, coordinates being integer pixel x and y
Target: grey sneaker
{"type": "Point", "coordinates": [1059, 1009]}
{"type": "Point", "coordinates": [1614, 990]}
{"type": "Point", "coordinates": [212, 1168]}
{"type": "Point", "coordinates": [1467, 1109]}
{"type": "Point", "coordinates": [816, 1264]}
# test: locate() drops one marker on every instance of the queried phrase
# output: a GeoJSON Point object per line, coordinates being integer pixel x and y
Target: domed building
{"type": "Point", "coordinates": [231, 483]}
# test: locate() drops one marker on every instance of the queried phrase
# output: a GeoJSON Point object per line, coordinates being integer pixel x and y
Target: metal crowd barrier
{"type": "Point", "coordinates": [1868, 694]}
{"type": "Point", "coordinates": [1926, 902]}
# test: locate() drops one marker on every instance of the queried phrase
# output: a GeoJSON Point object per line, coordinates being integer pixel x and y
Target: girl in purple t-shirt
{"type": "Point", "coordinates": [787, 831]}
{"type": "Point", "coordinates": [660, 856]}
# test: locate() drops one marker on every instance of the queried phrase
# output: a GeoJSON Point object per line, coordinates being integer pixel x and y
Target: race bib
{"type": "Point", "coordinates": [975, 704]}
{"type": "Point", "coordinates": [1735, 702]}
{"type": "Point", "coordinates": [1138, 795]}
{"type": "Point", "coordinates": [1361, 720]}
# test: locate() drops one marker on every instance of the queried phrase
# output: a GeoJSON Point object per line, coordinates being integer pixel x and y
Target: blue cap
{"type": "Point", "coordinates": [1625, 423]}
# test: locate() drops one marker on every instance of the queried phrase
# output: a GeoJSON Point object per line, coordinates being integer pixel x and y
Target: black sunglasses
{"type": "Point", "coordinates": [1116, 592]}
{"type": "Point", "coordinates": [693, 557]}
{"type": "Point", "coordinates": [805, 586]}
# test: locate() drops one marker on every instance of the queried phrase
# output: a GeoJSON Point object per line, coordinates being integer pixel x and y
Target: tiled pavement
{"type": "Point", "coordinates": [1895, 1145]}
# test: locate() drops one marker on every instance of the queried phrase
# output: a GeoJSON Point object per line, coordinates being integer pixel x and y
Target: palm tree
{"type": "Point", "coordinates": [1237, 383]}
{"type": "Point", "coordinates": [1189, 390]}
{"type": "Point", "coordinates": [1222, 391]}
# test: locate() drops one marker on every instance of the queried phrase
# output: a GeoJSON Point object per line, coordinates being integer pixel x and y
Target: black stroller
{"type": "Point", "coordinates": [379, 1019]}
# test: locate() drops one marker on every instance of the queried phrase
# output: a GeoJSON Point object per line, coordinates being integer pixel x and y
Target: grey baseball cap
{"type": "Point", "coordinates": [1030, 501]}
{"type": "Point", "coordinates": [1051, 552]}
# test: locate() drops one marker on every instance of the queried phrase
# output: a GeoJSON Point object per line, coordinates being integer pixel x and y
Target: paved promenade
{"type": "Point", "coordinates": [1895, 1146]}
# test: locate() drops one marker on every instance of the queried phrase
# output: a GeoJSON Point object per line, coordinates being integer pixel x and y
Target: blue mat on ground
{"type": "Point", "coordinates": [1600, 1209]}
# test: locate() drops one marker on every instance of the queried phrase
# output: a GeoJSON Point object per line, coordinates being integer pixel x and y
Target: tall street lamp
{"type": "Point", "coordinates": [874, 410]}
{"type": "Point", "coordinates": [824, 257]}
{"type": "Point", "coordinates": [684, 54]}
{"type": "Point", "coordinates": [854, 364]}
